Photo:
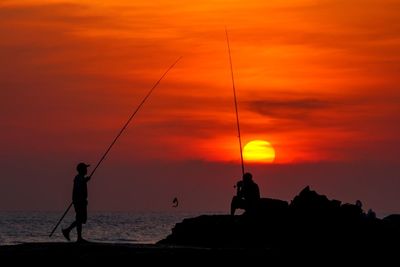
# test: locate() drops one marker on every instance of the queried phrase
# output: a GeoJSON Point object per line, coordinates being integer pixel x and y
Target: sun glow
{"type": "Point", "coordinates": [259, 151]}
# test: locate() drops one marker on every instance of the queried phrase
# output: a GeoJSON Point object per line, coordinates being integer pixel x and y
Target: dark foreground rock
{"type": "Point", "coordinates": [100, 254]}
{"type": "Point", "coordinates": [311, 222]}
{"type": "Point", "coordinates": [105, 254]}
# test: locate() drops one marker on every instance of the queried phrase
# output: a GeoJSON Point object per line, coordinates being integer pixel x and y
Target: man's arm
{"type": "Point", "coordinates": [239, 188]}
{"type": "Point", "coordinates": [87, 178]}
{"type": "Point", "coordinates": [257, 192]}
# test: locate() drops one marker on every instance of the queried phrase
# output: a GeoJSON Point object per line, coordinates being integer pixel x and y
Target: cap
{"type": "Point", "coordinates": [82, 166]}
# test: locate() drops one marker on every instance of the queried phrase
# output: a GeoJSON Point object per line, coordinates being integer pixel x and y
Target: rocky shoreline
{"type": "Point", "coordinates": [310, 221]}
{"type": "Point", "coordinates": [309, 227]}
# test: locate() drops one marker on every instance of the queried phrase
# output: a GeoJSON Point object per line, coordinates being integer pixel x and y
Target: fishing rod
{"type": "Point", "coordinates": [118, 135]}
{"type": "Point", "coordinates": [236, 107]}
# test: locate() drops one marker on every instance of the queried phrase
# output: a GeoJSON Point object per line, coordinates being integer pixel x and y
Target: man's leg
{"type": "Point", "coordinates": [72, 226]}
{"type": "Point", "coordinates": [68, 230]}
{"type": "Point", "coordinates": [234, 205]}
{"type": "Point", "coordinates": [79, 231]}
{"type": "Point", "coordinates": [81, 219]}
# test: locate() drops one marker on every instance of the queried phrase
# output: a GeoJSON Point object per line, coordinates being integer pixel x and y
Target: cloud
{"type": "Point", "coordinates": [319, 79]}
{"type": "Point", "coordinates": [64, 65]}
{"type": "Point", "coordinates": [295, 109]}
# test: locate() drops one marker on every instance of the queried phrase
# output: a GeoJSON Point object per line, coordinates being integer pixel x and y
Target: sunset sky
{"type": "Point", "coordinates": [318, 79]}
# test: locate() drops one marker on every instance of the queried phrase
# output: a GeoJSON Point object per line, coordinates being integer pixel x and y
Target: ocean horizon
{"type": "Point", "coordinates": [17, 227]}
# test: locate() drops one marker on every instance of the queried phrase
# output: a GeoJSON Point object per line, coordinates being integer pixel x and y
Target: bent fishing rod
{"type": "Point", "coordinates": [118, 135]}
{"type": "Point", "coordinates": [236, 106]}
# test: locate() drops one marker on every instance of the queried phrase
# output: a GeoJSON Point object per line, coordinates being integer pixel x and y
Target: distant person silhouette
{"type": "Point", "coordinates": [79, 199]}
{"type": "Point", "coordinates": [247, 196]}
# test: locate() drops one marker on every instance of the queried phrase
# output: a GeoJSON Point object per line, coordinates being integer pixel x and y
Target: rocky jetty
{"type": "Point", "coordinates": [309, 221]}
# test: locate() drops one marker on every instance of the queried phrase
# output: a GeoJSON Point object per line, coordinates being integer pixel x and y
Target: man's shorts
{"type": "Point", "coordinates": [81, 212]}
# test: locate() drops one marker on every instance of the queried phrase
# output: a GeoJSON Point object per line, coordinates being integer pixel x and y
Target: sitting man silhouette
{"type": "Point", "coordinates": [79, 199]}
{"type": "Point", "coordinates": [247, 196]}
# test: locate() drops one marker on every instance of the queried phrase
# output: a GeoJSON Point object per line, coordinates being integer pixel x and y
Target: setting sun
{"type": "Point", "coordinates": [258, 151]}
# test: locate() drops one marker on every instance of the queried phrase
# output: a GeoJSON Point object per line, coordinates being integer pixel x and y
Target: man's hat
{"type": "Point", "coordinates": [82, 166]}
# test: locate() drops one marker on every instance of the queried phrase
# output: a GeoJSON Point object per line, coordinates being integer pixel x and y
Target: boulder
{"type": "Point", "coordinates": [311, 220]}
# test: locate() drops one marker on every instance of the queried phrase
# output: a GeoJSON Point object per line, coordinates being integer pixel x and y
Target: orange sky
{"type": "Point", "coordinates": [319, 79]}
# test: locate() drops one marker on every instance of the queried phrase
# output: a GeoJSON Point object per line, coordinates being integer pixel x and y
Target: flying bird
{"type": "Point", "coordinates": [175, 203]}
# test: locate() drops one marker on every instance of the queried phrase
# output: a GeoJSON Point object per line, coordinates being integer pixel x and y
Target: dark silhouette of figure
{"type": "Point", "coordinates": [79, 199]}
{"type": "Point", "coordinates": [247, 195]}
{"type": "Point", "coordinates": [175, 203]}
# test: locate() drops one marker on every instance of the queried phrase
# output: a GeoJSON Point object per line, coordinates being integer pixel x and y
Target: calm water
{"type": "Point", "coordinates": [116, 227]}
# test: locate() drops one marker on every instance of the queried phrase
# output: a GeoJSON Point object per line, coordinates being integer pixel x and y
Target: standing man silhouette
{"type": "Point", "coordinates": [79, 199]}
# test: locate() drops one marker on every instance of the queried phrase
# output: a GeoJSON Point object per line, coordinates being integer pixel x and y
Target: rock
{"type": "Point", "coordinates": [272, 207]}
{"type": "Point", "coordinates": [310, 220]}
{"type": "Point", "coordinates": [393, 220]}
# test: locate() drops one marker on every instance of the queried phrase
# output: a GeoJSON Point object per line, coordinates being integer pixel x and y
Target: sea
{"type": "Point", "coordinates": [110, 227]}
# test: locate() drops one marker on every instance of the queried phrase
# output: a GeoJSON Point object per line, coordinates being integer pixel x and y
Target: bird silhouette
{"type": "Point", "coordinates": [175, 203]}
